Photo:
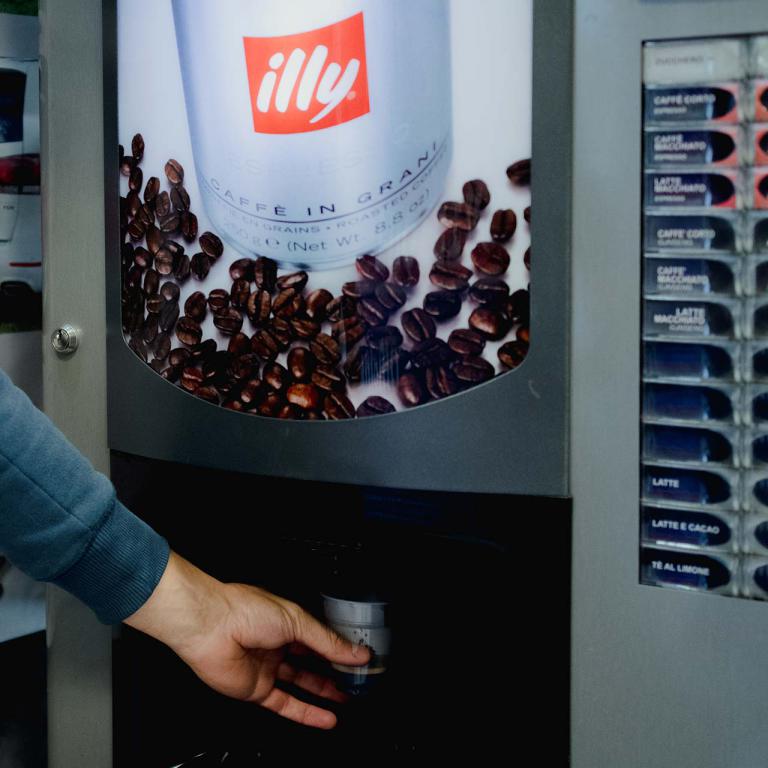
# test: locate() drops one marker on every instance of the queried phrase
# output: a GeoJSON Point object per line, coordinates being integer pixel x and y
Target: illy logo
{"type": "Point", "coordinates": [308, 81]}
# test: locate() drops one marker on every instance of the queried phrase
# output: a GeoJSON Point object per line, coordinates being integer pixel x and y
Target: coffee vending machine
{"type": "Point", "coordinates": [316, 367]}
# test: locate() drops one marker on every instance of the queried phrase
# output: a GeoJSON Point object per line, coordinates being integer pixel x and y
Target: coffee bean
{"type": "Point", "coordinates": [328, 379]}
{"type": "Point", "coordinates": [265, 273]}
{"type": "Point", "coordinates": [358, 289]}
{"type": "Point", "coordinates": [218, 300]}
{"type": "Point", "coordinates": [337, 406]}
{"type": "Point", "coordinates": [152, 189]}
{"type": "Point", "coordinates": [430, 353]}
{"type": "Point", "coordinates": [405, 271]}
{"type": "Point", "coordinates": [390, 296]}
{"type": "Point", "coordinates": [270, 405]}
{"type": "Point", "coordinates": [233, 405]}
{"type": "Point", "coordinates": [155, 303]}
{"type": "Point", "coordinates": [476, 194]}
{"type": "Point", "coordinates": [181, 267]}
{"type": "Point", "coordinates": [458, 215]}
{"type": "Point", "coordinates": [340, 307]}
{"type": "Point", "coordinates": [391, 363]}
{"type": "Point", "coordinates": [490, 258]}
{"type": "Point", "coordinates": [370, 268]}
{"type": "Point", "coordinates": [200, 266]}
{"type": "Point", "coordinates": [264, 344]}
{"type": "Point", "coordinates": [374, 406]}
{"type": "Point", "coordinates": [203, 350]}
{"type": "Point", "coordinates": [157, 365]}
{"type": "Point", "coordinates": [441, 382]}
{"type": "Point", "coordinates": [188, 331]}
{"type": "Point", "coordinates": [164, 261]}
{"type": "Point", "coordinates": [519, 173]}
{"type": "Point", "coordinates": [519, 307]}
{"type": "Point", "coordinates": [136, 180]}
{"type": "Point", "coordinates": [361, 364]}
{"type": "Point", "coordinates": [464, 341]}
{"type": "Point", "coordinates": [252, 392]}
{"type": "Point", "coordinates": [418, 325]}
{"type": "Point", "coordinates": [162, 204]}
{"type": "Point", "coordinates": [527, 258]}
{"type": "Point", "coordinates": [527, 214]}
{"type": "Point", "coordinates": [512, 353]}
{"type": "Point", "coordinates": [306, 396]}
{"type": "Point", "coordinates": [410, 390]}
{"type": "Point", "coordinates": [289, 411]}
{"type": "Point", "coordinates": [282, 331]}
{"type": "Point", "coordinates": [169, 314]}
{"type": "Point", "coordinates": [275, 376]}
{"type": "Point", "coordinates": [191, 378]}
{"type": "Point", "coordinates": [239, 294]}
{"type": "Point", "coordinates": [228, 321]}
{"type": "Point", "coordinates": [304, 328]}
{"type": "Point", "coordinates": [450, 245]}
{"type": "Point", "coordinates": [385, 337]}
{"type": "Point", "coordinates": [238, 345]}
{"type": "Point", "coordinates": [442, 305]}
{"type": "Point", "coordinates": [349, 331]}
{"type": "Point", "coordinates": [155, 238]}
{"type": "Point", "coordinates": [143, 258]}
{"type": "Point", "coordinates": [259, 307]}
{"type": "Point", "coordinates": [137, 147]}
{"type": "Point", "coordinates": [126, 255]}
{"type": "Point", "coordinates": [127, 164]}
{"type": "Point", "coordinates": [145, 215]}
{"type": "Point", "coordinates": [473, 370]}
{"type": "Point", "coordinates": [372, 311]}
{"type": "Point", "coordinates": [172, 374]}
{"type": "Point", "coordinates": [489, 322]}
{"type": "Point", "coordinates": [188, 225]}
{"type": "Point", "coordinates": [178, 357]}
{"type": "Point", "coordinates": [215, 368]}
{"type": "Point", "coordinates": [316, 304]}
{"type": "Point", "coordinates": [301, 363]}
{"type": "Point", "coordinates": [503, 225]}
{"type": "Point", "coordinates": [138, 347]}
{"type": "Point", "coordinates": [242, 269]}
{"type": "Point", "coordinates": [490, 291]}
{"type": "Point", "coordinates": [162, 346]}
{"type": "Point", "coordinates": [207, 393]}
{"type": "Point", "coordinates": [295, 280]}
{"type": "Point", "coordinates": [170, 223]}
{"type": "Point", "coordinates": [211, 245]}
{"type": "Point", "coordinates": [175, 248]}
{"type": "Point", "coordinates": [170, 291]}
{"type": "Point", "coordinates": [325, 349]}
{"type": "Point", "coordinates": [136, 230]}
{"type": "Point", "coordinates": [196, 306]}
{"type": "Point", "coordinates": [450, 277]}
{"type": "Point", "coordinates": [151, 329]}
{"type": "Point", "coordinates": [174, 172]}
{"type": "Point", "coordinates": [180, 199]}
{"type": "Point", "coordinates": [288, 303]}
{"type": "Point", "coordinates": [523, 334]}
{"type": "Point", "coordinates": [133, 203]}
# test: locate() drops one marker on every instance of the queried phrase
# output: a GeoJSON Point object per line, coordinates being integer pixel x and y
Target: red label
{"type": "Point", "coordinates": [309, 81]}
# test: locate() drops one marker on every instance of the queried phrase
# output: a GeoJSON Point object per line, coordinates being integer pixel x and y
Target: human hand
{"type": "Point", "coordinates": [236, 638]}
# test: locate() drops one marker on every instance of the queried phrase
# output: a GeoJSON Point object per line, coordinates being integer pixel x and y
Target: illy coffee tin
{"type": "Point", "coordinates": [320, 131]}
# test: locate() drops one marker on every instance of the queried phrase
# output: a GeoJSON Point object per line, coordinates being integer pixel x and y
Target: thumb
{"type": "Point", "coordinates": [329, 644]}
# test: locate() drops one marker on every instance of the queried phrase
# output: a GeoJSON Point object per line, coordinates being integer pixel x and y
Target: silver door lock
{"type": "Point", "coordinates": [65, 339]}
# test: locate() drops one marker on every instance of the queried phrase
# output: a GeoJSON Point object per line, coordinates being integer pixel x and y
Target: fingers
{"type": "Point", "coordinates": [290, 707]}
{"type": "Point", "coordinates": [327, 643]}
{"type": "Point", "coordinates": [311, 682]}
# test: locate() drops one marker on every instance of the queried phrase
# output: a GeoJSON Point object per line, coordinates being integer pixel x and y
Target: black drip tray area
{"type": "Point", "coordinates": [478, 589]}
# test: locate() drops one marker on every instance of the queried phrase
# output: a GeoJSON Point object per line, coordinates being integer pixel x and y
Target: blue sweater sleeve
{"type": "Point", "coordinates": [61, 522]}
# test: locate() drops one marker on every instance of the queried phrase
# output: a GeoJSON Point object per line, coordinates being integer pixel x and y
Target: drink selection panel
{"type": "Point", "coordinates": [704, 347]}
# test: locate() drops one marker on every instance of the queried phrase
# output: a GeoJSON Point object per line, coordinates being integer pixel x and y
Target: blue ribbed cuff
{"type": "Point", "coordinates": [121, 567]}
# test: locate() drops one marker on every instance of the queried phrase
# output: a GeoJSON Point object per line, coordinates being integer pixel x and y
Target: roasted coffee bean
{"type": "Point", "coordinates": [430, 353]}
{"type": "Point", "coordinates": [476, 194]}
{"type": "Point", "coordinates": [174, 172]}
{"type": "Point", "coordinates": [519, 173]}
{"type": "Point", "coordinates": [138, 347]}
{"type": "Point", "coordinates": [200, 266]}
{"type": "Point", "coordinates": [442, 305]}
{"type": "Point", "coordinates": [239, 294]}
{"type": "Point", "coordinates": [157, 365]}
{"type": "Point", "coordinates": [503, 225]}
{"type": "Point", "coordinates": [126, 255]}
{"type": "Point", "coordinates": [441, 382]}
{"type": "Point", "coordinates": [464, 341]}
{"type": "Point", "coordinates": [527, 214]}
{"type": "Point", "coordinates": [519, 307]}
{"type": "Point", "coordinates": [458, 215]}
{"type": "Point", "coordinates": [136, 230]}
{"type": "Point", "coordinates": [275, 376]}
{"type": "Point", "coordinates": [390, 296]}
{"type": "Point", "coordinates": [180, 199]}
{"type": "Point", "coordinates": [164, 262]}
{"type": "Point", "coordinates": [188, 331]}
{"type": "Point", "coordinates": [450, 277]}
{"type": "Point", "coordinates": [155, 238]}
{"type": "Point", "coordinates": [489, 291]}
{"type": "Point", "coordinates": [271, 404]}
{"type": "Point", "coordinates": [370, 268]}
{"type": "Point", "coordinates": [218, 300]}
{"type": "Point", "coordinates": [258, 307]}
{"type": "Point", "coordinates": [196, 306]}
{"type": "Point", "coordinates": [450, 245]}
{"type": "Point", "coordinates": [282, 331]}
{"type": "Point", "coordinates": [155, 304]}
{"type": "Point", "coordinates": [523, 334]}
{"type": "Point", "coordinates": [145, 215]}
{"type": "Point", "coordinates": [172, 373]}
{"type": "Point", "coordinates": [233, 405]}
{"type": "Point", "coordinates": [265, 274]}
{"type": "Point", "coordinates": [328, 379]}
{"type": "Point", "coordinates": [175, 248]}
{"type": "Point", "coordinates": [301, 363]}
{"type": "Point", "coordinates": [169, 314]}
{"type": "Point", "coordinates": [316, 304]}
{"type": "Point", "coordinates": [489, 322]}
{"type": "Point", "coordinates": [211, 245]}
{"type": "Point", "coordinates": [243, 367]}
{"type": "Point", "coordinates": [325, 349]}
{"type": "Point", "coordinates": [338, 406]}
{"type": "Point", "coordinates": [143, 258]}
{"type": "Point", "coordinates": [361, 365]}
{"type": "Point", "coordinates": [295, 280]}
{"type": "Point", "coordinates": [133, 203]}
{"type": "Point", "coordinates": [527, 258]}
{"type": "Point", "coordinates": [384, 337]}
{"type": "Point", "coordinates": [178, 357]}
{"type": "Point", "coordinates": [162, 204]}
{"type": "Point", "coordinates": [151, 282]}
{"type": "Point", "coordinates": [188, 226]}
{"type": "Point", "coordinates": [162, 345]}
{"type": "Point", "coordinates": [512, 353]}
{"type": "Point", "coordinates": [127, 164]}
{"type": "Point", "coordinates": [181, 267]}
{"type": "Point", "coordinates": [120, 152]}
{"type": "Point", "coordinates": [490, 258]}
{"type": "Point", "coordinates": [137, 147]}
{"type": "Point", "coordinates": [304, 328]}
{"type": "Point", "coordinates": [133, 278]}
{"type": "Point", "coordinates": [242, 269]}
{"type": "Point", "coordinates": [203, 350]}
{"type": "Point", "coordinates": [152, 189]}
{"type": "Point", "coordinates": [191, 378]}
{"type": "Point", "coordinates": [372, 311]}
{"type": "Point", "coordinates": [288, 303]}
{"type": "Point", "coordinates": [405, 271]}
{"type": "Point", "coordinates": [170, 223]}
{"type": "Point", "coordinates": [349, 331]}
{"type": "Point", "coordinates": [264, 344]}
{"type": "Point", "coordinates": [341, 307]}
{"type": "Point", "coordinates": [207, 393]}
{"type": "Point", "coordinates": [359, 289]}
{"type": "Point", "coordinates": [306, 396]}
{"type": "Point", "coordinates": [239, 344]}
{"type": "Point", "coordinates": [290, 411]}
{"type": "Point", "coordinates": [374, 406]}
{"type": "Point", "coordinates": [391, 363]}
{"type": "Point", "coordinates": [228, 321]}
{"type": "Point", "coordinates": [252, 392]}
{"type": "Point", "coordinates": [136, 180]}
{"type": "Point", "coordinates": [410, 390]}
{"type": "Point", "coordinates": [418, 325]}
{"type": "Point", "coordinates": [150, 330]}
{"type": "Point", "coordinates": [170, 291]}
{"type": "Point", "coordinates": [473, 370]}
{"type": "Point", "coordinates": [216, 366]}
